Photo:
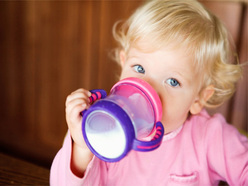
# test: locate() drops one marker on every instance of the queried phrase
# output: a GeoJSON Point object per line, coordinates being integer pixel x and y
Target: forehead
{"type": "Point", "coordinates": [182, 50]}
{"type": "Point", "coordinates": [165, 61]}
{"type": "Point", "coordinates": [168, 55]}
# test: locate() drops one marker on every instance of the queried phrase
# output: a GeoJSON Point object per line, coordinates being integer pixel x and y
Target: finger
{"type": "Point", "coordinates": [77, 102]}
{"type": "Point", "coordinates": [74, 117]}
{"type": "Point", "coordinates": [75, 95]}
{"type": "Point", "coordinates": [82, 91]}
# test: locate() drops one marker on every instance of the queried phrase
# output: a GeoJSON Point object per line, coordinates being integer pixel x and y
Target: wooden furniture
{"type": "Point", "coordinates": [14, 171]}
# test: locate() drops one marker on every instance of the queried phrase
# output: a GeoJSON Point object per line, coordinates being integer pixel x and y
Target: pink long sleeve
{"type": "Point", "coordinates": [227, 153]}
{"type": "Point", "coordinates": [202, 152]}
{"type": "Point", "coordinates": [61, 174]}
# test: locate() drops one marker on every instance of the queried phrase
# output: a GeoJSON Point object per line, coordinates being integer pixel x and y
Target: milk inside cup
{"type": "Point", "coordinates": [114, 125]}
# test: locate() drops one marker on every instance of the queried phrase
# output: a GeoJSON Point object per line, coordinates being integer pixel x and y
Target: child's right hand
{"type": "Point", "coordinates": [77, 102]}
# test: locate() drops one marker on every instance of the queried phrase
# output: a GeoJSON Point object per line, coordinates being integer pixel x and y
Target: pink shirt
{"type": "Point", "coordinates": [202, 152]}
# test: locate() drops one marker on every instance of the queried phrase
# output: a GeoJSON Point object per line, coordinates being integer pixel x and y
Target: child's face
{"type": "Point", "coordinates": [172, 74]}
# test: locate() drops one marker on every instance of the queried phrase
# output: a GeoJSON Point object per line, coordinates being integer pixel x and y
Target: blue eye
{"type": "Point", "coordinates": [173, 82]}
{"type": "Point", "coordinates": [139, 69]}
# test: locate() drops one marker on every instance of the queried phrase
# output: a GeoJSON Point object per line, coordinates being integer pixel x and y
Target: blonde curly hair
{"type": "Point", "coordinates": [186, 24]}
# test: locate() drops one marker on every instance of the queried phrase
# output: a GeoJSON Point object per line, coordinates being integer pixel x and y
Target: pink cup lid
{"type": "Point", "coordinates": [148, 90]}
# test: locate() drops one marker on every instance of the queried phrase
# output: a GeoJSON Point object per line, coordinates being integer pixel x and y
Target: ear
{"type": "Point", "coordinates": [204, 96]}
{"type": "Point", "coordinates": [122, 57]}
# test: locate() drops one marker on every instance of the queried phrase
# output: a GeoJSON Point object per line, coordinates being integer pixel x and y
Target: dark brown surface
{"type": "Point", "coordinates": [14, 171]}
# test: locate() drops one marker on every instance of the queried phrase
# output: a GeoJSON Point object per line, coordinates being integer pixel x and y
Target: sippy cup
{"type": "Point", "coordinates": [117, 123]}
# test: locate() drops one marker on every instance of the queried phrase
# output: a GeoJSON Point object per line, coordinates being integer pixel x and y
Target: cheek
{"type": "Point", "coordinates": [176, 109]}
{"type": "Point", "coordinates": [124, 74]}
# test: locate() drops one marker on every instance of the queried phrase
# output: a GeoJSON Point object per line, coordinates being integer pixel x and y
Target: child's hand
{"type": "Point", "coordinates": [76, 102]}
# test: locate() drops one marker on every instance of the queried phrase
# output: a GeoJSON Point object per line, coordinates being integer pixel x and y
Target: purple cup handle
{"type": "Point", "coordinates": [146, 146]}
{"type": "Point", "coordinates": [95, 95]}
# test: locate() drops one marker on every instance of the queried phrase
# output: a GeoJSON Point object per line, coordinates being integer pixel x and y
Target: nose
{"type": "Point", "coordinates": [154, 85]}
{"type": "Point", "coordinates": [150, 82]}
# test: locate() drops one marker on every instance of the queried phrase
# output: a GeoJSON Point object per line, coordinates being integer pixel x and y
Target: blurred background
{"type": "Point", "coordinates": [50, 48]}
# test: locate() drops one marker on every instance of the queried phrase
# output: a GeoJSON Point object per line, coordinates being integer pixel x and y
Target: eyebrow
{"type": "Point", "coordinates": [130, 57]}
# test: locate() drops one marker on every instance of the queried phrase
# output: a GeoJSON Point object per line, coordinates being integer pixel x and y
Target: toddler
{"type": "Point", "coordinates": [182, 51]}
